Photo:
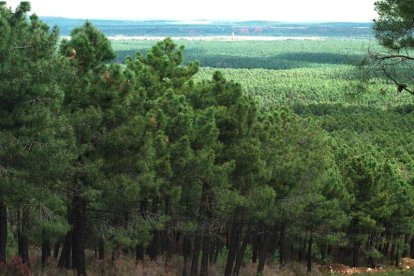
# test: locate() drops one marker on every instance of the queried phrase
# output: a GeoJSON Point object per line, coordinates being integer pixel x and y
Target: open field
{"type": "Point", "coordinates": [278, 54]}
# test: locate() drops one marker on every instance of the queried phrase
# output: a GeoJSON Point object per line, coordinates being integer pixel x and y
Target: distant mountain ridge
{"type": "Point", "coordinates": [213, 28]}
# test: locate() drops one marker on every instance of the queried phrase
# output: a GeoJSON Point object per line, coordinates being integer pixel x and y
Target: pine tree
{"type": "Point", "coordinates": [32, 128]}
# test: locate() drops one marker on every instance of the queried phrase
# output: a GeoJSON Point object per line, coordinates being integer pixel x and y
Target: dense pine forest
{"type": "Point", "coordinates": [275, 163]}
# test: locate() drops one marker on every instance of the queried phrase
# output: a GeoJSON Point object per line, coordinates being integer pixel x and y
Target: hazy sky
{"type": "Point", "coordinates": [276, 10]}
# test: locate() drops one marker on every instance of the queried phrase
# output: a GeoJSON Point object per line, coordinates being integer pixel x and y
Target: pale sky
{"type": "Point", "coordinates": [272, 10]}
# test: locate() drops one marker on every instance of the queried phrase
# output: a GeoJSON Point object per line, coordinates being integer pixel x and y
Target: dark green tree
{"type": "Point", "coordinates": [35, 137]}
{"type": "Point", "coordinates": [394, 30]}
{"type": "Point", "coordinates": [89, 85]}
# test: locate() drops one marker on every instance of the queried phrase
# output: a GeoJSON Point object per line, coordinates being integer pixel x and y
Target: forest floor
{"type": "Point", "coordinates": [125, 266]}
{"type": "Point", "coordinates": [406, 267]}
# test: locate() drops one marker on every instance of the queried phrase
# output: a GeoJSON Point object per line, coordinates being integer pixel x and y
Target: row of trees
{"type": "Point", "coordinates": [137, 157]}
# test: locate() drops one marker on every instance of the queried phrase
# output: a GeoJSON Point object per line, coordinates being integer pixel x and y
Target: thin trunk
{"type": "Point", "coordinates": [101, 249]}
{"type": "Point", "coordinates": [205, 253]}
{"type": "Point", "coordinates": [309, 254]}
{"type": "Point", "coordinates": [3, 230]}
{"type": "Point", "coordinates": [65, 255]}
{"type": "Point", "coordinates": [240, 253]}
{"type": "Point", "coordinates": [406, 252]}
{"type": "Point", "coordinates": [139, 253]}
{"type": "Point", "coordinates": [273, 240]}
{"type": "Point", "coordinates": [255, 246]}
{"type": "Point", "coordinates": [355, 245]}
{"type": "Point", "coordinates": [397, 253]}
{"type": "Point", "coordinates": [386, 249]}
{"type": "Point", "coordinates": [78, 235]}
{"type": "Point", "coordinates": [46, 251]}
{"type": "Point", "coordinates": [392, 253]}
{"type": "Point", "coordinates": [263, 253]}
{"type": "Point", "coordinates": [185, 265]}
{"type": "Point", "coordinates": [302, 249]}
{"type": "Point", "coordinates": [371, 247]}
{"type": "Point", "coordinates": [56, 248]}
{"type": "Point", "coordinates": [324, 249]}
{"type": "Point", "coordinates": [167, 249]}
{"type": "Point", "coordinates": [355, 257]}
{"type": "Point", "coordinates": [155, 245]}
{"type": "Point", "coordinates": [397, 257]}
{"type": "Point", "coordinates": [234, 241]}
{"type": "Point", "coordinates": [186, 253]}
{"type": "Point", "coordinates": [412, 248]}
{"type": "Point", "coordinates": [196, 255]}
{"type": "Point", "coordinates": [212, 252]}
{"type": "Point", "coordinates": [22, 240]}
{"type": "Point", "coordinates": [282, 245]}
{"type": "Point", "coordinates": [218, 246]}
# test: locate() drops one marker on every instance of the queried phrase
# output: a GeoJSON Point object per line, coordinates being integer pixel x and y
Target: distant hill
{"type": "Point", "coordinates": [209, 28]}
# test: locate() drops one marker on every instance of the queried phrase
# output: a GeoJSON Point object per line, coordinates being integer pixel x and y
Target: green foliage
{"type": "Point", "coordinates": [394, 27]}
{"type": "Point", "coordinates": [157, 149]}
{"type": "Point", "coordinates": [280, 54]}
{"type": "Point", "coordinates": [89, 47]}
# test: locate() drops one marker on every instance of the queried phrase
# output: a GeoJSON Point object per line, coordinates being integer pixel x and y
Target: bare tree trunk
{"type": "Point", "coordinates": [263, 252]}
{"type": "Point", "coordinates": [240, 253]}
{"type": "Point", "coordinates": [3, 230]}
{"type": "Point", "coordinates": [56, 249]}
{"type": "Point", "coordinates": [205, 255]}
{"type": "Point", "coordinates": [186, 253]}
{"type": "Point", "coordinates": [78, 235]}
{"type": "Point", "coordinates": [65, 255]}
{"type": "Point", "coordinates": [196, 255]}
{"type": "Point", "coordinates": [309, 254]}
{"type": "Point", "coordinates": [139, 253]}
{"type": "Point", "coordinates": [101, 249]}
{"type": "Point", "coordinates": [22, 240]}
{"type": "Point", "coordinates": [234, 241]}
{"type": "Point", "coordinates": [46, 251]}
{"type": "Point", "coordinates": [282, 244]}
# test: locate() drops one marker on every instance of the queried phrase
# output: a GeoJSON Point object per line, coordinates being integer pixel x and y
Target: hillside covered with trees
{"type": "Point", "coordinates": [155, 159]}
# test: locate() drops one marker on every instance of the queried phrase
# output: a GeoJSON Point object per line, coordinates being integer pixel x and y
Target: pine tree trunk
{"type": "Point", "coordinates": [217, 247]}
{"type": "Point", "coordinates": [397, 257]}
{"type": "Point", "coordinates": [3, 231]}
{"type": "Point", "coordinates": [240, 253]}
{"type": "Point", "coordinates": [139, 253]}
{"type": "Point", "coordinates": [392, 253]}
{"type": "Point", "coordinates": [56, 248]}
{"type": "Point", "coordinates": [386, 249]}
{"type": "Point", "coordinates": [196, 255]}
{"type": "Point", "coordinates": [309, 254]}
{"type": "Point", "coordinates": [101, 249]}
{"type": "Point", "coordinates": [263, 253]}
{"type": "Point", "coordinates": [255, 246]}
{"type": "Point", "coordinates": [205, 254]}
{"type": "Point", "coordinates": [355, 257]}
{"type": "Point", "coordinates": [412, 248]}
{"type": "Point", "coordinates": [406, 252]}
{"type": "Point", "coordinates": [46, 251]}
{"type": "Point", "coordinates": [153, 247]}
{"type": "Point", "coordinates": [282, 245]}
{"type": "Point", "coordinates": [22, 240]}
{"type": "Point", "coordinates": [186, 253]}
{"type": "Point", "coordinates": [78, 235]}
{"type": "Point", "coordinates": [355, 246]}
{"type": "Point", "coordinates": [65, 255]}
{"type": "Point", "coordinates": [234, 242]}
{"type": "Point", "coordinates": [302, 248]}
{"type": "Point", "coordinates": [324, 249]}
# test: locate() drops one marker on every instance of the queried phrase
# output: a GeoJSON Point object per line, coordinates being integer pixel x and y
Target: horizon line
{"type": "Point", "coordinates": [202, 20]}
